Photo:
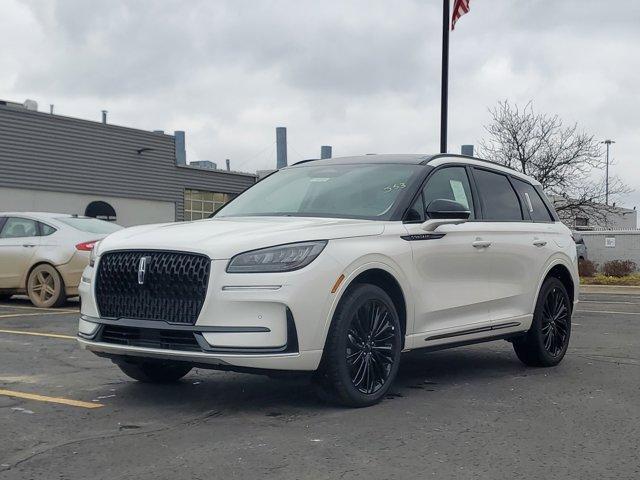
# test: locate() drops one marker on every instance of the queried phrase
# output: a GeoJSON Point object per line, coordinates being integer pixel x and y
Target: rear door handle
{"type": "Point", "coordinates": [481, 244]}
{"type": "Point", "coordinates": [539, 243]}
{"type": "Point", "coordinates": [28, 245]}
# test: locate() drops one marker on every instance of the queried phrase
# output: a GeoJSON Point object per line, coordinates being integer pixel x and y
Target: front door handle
{"type": "Point", "coordinates": [539, 243]}
{"type": "Point", "coordinates": [28, 245]}
{"type": "Point", "coordinates": [481, 244]}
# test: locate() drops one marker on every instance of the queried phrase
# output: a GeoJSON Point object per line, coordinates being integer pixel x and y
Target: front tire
{"type": "Point", "coordinates": [362, 351]}
{"type": "Point", "coordinates": [546, 342]}
{"type": "Point", "coordinates": [151, 372]}
{"type": "Point", "coordinates": [45, 287]}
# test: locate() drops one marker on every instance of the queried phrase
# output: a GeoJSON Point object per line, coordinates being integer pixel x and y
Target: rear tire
{"type": "Point", "coordinates": [546, 342]}
{"type": "Point", "coordinates": [151, 372]}
{"type": "Point", "coordinates": [362, 351]}
{"type": "Point", "coordinates": [45, 287]}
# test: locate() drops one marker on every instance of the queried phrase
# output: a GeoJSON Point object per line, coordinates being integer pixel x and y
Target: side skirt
{"type": "Point", "coordinates": [474, 341]}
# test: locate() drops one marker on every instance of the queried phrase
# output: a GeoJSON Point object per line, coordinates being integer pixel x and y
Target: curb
{"type": "Point", "coordinates": [612, 289]}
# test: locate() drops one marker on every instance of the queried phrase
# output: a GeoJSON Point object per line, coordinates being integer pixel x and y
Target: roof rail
{"type": "Point", "coordinates": [457, 155]}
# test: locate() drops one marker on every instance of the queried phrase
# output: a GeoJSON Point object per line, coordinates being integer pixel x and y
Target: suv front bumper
{"type": "Point", "coordinates": [262, 321]}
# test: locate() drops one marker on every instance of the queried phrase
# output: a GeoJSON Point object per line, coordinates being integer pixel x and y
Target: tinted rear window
{"type": "Point", "coordinates": [499, 200]}
{"type": "Point", "coordinates": [90, 225]}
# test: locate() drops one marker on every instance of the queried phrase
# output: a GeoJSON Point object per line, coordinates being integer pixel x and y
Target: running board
{"type": "Point", "coordinates": [471, 331]}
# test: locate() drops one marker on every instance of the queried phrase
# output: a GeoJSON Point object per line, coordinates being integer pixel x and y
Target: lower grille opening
{"type": "Point", "coordinates": [150, 338]}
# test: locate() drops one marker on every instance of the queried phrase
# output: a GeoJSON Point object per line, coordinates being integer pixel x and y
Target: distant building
{"type": "Point", "coordinates": [204, 164]}
{"type": "Point", "coordinates": [61, 164]}
{"type": "Point", "coordinates": [619, 219]}
{"type": "Point", "coordinates": [597, 217]}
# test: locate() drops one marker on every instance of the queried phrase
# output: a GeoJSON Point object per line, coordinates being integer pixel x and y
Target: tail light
{"type": "Point", "coordinates": [86, 246]}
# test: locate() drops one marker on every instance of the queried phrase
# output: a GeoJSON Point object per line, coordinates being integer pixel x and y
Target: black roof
{"type": "Point", "coordinates": [411, 159]}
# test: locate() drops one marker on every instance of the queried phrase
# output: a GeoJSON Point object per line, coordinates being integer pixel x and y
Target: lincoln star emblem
{"type": "Point", "coordinates": [142, 269]}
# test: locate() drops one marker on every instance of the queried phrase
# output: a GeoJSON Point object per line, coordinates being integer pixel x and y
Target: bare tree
{"type": "Point", "coordinates": [564, 159]}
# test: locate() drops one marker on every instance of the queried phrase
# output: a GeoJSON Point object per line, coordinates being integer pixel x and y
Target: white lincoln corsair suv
{"type": "Point", "coordinates": [335, 267]}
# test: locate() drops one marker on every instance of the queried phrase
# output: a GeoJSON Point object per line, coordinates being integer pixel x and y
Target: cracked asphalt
{"type": "Point", "coordinates": [467, 413]}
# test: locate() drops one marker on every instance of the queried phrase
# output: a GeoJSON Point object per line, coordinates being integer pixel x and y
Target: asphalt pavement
{"type": "Point", "coordinates": [467, 413]}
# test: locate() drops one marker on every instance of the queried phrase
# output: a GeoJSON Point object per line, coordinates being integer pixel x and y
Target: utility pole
{"type": "Point", "coordinates": [445, 77]}
{"type": "Point", "coordinates": [606, 191]}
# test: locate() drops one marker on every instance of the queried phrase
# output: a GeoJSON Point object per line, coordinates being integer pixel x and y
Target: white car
{"type": "Point", "coordinates": [334, 267]}
{"type": "Point", "coordinates": [44, 254]}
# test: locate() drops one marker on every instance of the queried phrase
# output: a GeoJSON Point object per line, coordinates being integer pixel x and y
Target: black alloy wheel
{"type": "Point", "coordinates": [555, 322]}
{"type": "Point", "coordinates": [362, 351]}
{"type": "Point", "coordinates": [370, 346]}
{"type": "Point", "coordinates": [546, 342]}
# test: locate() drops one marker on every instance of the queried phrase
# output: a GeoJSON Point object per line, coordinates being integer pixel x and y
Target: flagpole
{"type": "Point", "coordinates": [445, 77]}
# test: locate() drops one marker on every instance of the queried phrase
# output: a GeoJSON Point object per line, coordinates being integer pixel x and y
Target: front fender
{"type": "Point", "coordinates": [371, 262]}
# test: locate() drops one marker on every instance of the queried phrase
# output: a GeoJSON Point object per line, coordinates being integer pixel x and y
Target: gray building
{"type": "Point", "coordinates": [60, 164]}
{"type": "Point", "coordinates": [597, 216]}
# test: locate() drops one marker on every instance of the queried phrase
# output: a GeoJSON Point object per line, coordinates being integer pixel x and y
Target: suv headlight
{"type": "Point", "coordinates": [281, 258]}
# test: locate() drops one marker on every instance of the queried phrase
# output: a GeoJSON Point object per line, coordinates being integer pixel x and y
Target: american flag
{"type": "Point", "coordinates": [459, 9]}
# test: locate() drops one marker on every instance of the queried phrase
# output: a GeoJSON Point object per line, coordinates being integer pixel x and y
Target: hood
{"type": "Point", "coordinates": [222, 238]}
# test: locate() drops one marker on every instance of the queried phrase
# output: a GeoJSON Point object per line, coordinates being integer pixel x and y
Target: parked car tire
{"type": "Point", "coordinates": [362, 351]}
{"type": "Point", "coordinates": [45, 287]}
{"type": "Point", "coordinates": [153, 372]}
{"type": "Point", "coordinates": [546, 342]}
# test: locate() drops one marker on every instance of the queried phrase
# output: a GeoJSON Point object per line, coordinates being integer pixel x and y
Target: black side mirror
{"type": "Point", "coordinates": [441, 208]}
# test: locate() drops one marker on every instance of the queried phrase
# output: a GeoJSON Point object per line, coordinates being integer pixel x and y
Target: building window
{"type": "Point", "coordinates": [199, 204]}
{"type": "Point", "coordinates": [581, 222]}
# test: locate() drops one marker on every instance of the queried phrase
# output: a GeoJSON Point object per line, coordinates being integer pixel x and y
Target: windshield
{"type": "Point", "coordinates": [90, 225]}
{"type": "Point", "coordinates": [347, 191]}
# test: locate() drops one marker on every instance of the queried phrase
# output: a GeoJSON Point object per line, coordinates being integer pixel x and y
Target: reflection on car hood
{"type": "Point", "coordinates": [221, 238]}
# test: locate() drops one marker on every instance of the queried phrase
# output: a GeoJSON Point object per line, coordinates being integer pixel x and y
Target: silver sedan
{"type": "Point", "coordinates": [44, 254]}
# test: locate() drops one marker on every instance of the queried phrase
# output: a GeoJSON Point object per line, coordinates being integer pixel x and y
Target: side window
{"type": "Point", "coordinates": [532, 201]}
{"type": "Point", "coordinates": [16, 227]}
{"type": "Point", "coordinates": [449, 183]}
{"type": "Point", "coordinates": [499, 200]}
{"type": "Point", "coordinates": [46, 229]}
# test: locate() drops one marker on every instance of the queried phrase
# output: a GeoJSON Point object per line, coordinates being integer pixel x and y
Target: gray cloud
{"type": "Point", "coordinates": [360, 75]}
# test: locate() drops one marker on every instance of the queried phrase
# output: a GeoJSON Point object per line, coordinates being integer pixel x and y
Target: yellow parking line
{"type": "Point", "coordinates": [10, 315]}
{"type": "Point", "coordinates": [39, 334]}
{"type": "Point", "coordinates": [43, 398]}
{"type": "Point", "coordinates": [23, 307]}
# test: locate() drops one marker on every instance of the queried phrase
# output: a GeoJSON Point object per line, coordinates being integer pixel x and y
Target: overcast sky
{"type": "Point", "coordinates": [363, 76]}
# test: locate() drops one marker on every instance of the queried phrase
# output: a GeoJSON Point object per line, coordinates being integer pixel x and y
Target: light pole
{"type": "Point", "coordinates": [606, 191]}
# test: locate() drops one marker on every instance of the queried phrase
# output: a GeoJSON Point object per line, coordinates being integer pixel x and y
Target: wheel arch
{"type": "Point", "coordinates": [383, 277]}
{"type": "Point", "coordinates": [560, 270]}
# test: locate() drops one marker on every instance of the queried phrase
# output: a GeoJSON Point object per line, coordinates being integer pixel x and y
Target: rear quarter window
{"type": "Point", "coordinates": [90, 225]}
{"type": "Point", "coordinates": [46, 230]}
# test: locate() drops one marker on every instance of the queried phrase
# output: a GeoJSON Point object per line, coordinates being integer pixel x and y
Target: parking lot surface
{"type": "Point", "coordinates": [472, 412]}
